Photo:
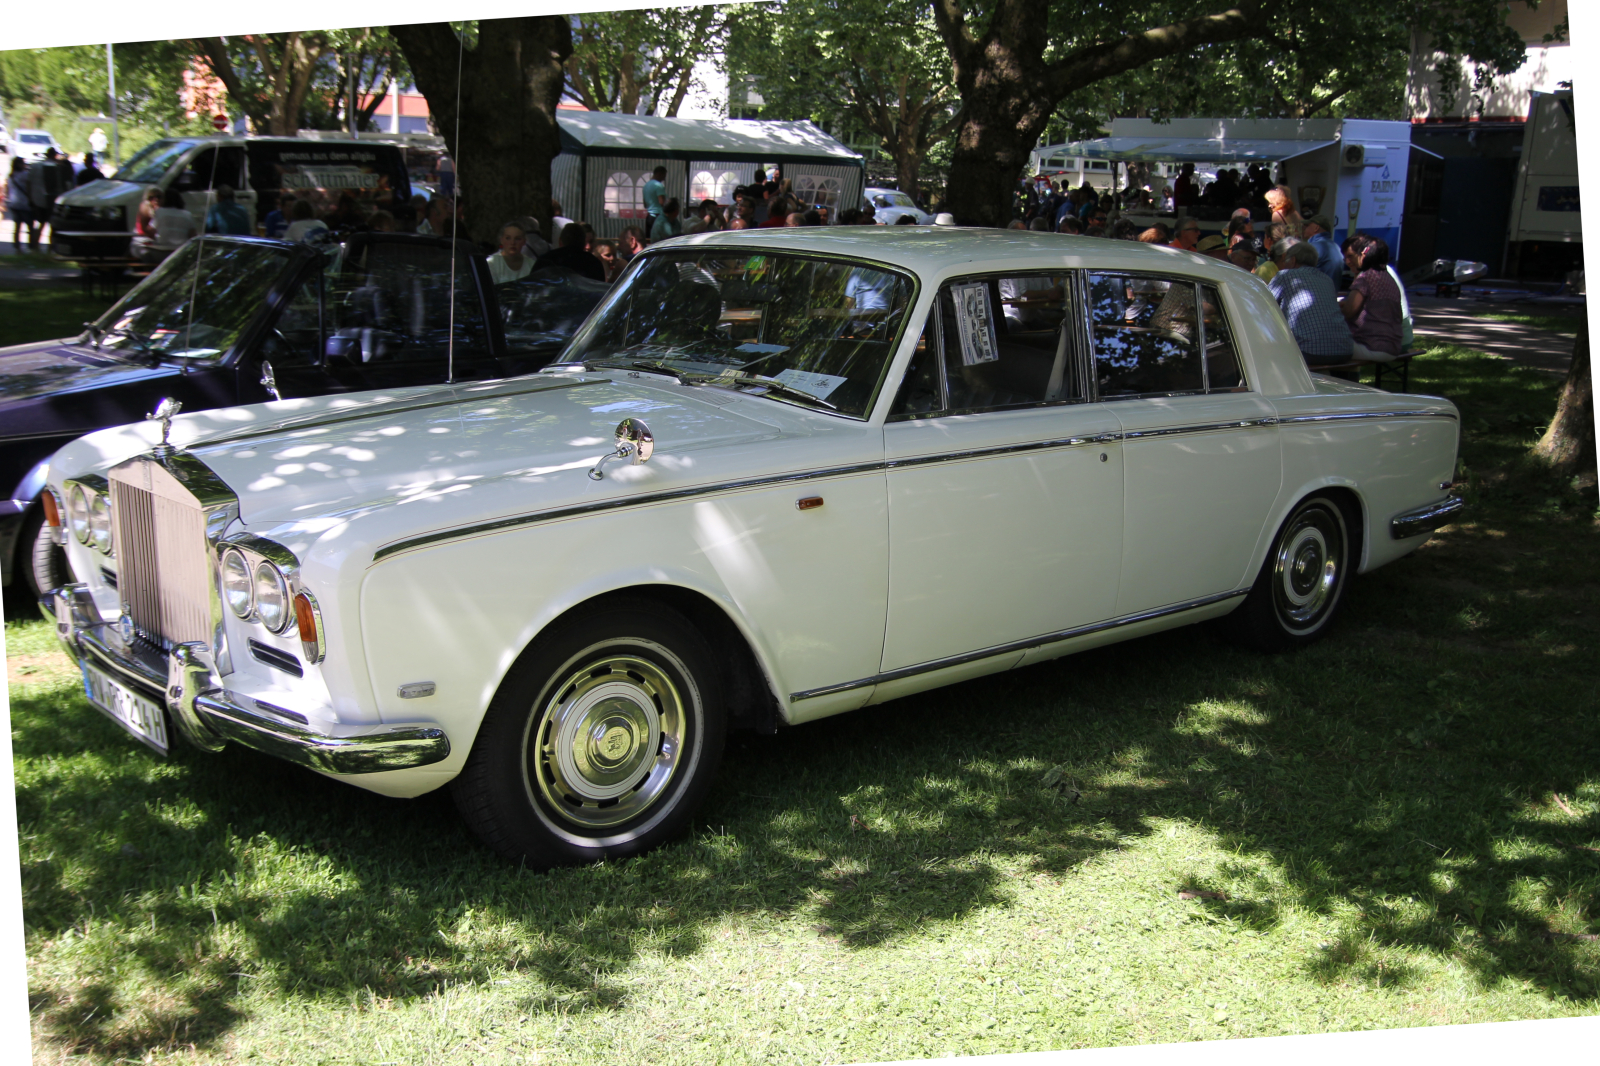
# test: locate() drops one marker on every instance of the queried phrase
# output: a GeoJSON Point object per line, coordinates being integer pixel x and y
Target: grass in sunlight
{"type": "Point", "coordinates": [1169, 839]}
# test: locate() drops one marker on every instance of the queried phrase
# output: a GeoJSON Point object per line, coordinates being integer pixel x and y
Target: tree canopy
{"type": "Point", "coordinates": [642, 62]}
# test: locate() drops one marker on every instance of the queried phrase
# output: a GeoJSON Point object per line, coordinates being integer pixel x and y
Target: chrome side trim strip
{"type": "Point", "coordinates": [1016, 645]}
{"type": "Point", "coordinates": [533, 518]}
{"type": "Point", "coordinates": [1351, 416]}
{"type": "Point", "coordinates": [1208, 427]}
{"type": "Point", "coordinates": [1425, 519]}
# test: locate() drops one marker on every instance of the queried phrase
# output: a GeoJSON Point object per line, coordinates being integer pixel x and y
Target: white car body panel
{"type": "Point", "coordinates": [443, 530]}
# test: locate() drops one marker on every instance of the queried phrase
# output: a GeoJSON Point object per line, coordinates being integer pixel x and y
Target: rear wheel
{"type": "Point", "coordinates": [1302, 581]}
{"type": "Point", "coordinates": [601, 742]}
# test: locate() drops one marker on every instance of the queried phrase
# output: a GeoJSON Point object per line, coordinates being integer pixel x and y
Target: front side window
{"type": "Point", "coordinates": [1148, 334]}
{"type": "Point", "coordinates": [993, 343]}
{"type": "Point", "coordinates": [151, 163]}
{"type": "Point", "coordinates": [811, 331]}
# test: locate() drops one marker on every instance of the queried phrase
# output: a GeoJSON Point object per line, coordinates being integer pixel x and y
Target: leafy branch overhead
{"type": "Point", "coordinates": [628, 60]}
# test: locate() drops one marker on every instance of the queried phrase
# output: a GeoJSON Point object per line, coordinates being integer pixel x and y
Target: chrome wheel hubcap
{"type": "Point", "coordinates": [1307, 569]}
{"type": "Point", "coordinates": [607, 742]}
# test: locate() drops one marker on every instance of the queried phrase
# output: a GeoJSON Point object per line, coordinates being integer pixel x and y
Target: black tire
{"type": "Point", "coordinates": [601, 741]}
{"type": "Point", "coordinates": [44, 561]}
{"type": "Point", "coordinates": [1302, 580]}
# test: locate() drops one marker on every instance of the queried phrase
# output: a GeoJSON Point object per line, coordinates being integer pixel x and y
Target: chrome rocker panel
{"type": "Point", "coordinates": [209, 715]}
{"type": "Point", "coordinates": [1425, 519]}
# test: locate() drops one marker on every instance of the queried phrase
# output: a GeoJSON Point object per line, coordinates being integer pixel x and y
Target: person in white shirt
{"type": "Point", "coordinates": [173, 225]}
{"type": "Point", "coordinates": [306, 224]}
{"type": "Point", "coordinates": [559, 222]}
{"type": "Point", "coordinates": [509, 263]}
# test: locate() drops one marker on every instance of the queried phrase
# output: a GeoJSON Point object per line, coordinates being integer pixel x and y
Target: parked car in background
{"type": "Point", "coordinates": [372, 313]}
{"type": "Point", "coordinates": [889, 204]}
{"type": "Point", "coordinates": [32, 144]}
{"type": "Point", "coordinates": [95, 222]}
{"type": "Point", "coordinates": [850, 466]}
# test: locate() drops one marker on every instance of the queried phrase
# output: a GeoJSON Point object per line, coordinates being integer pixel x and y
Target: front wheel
{"type": "Point", "coordinates": [44, 560]}
{"type": "Point", "coordinates": [1302, 581]}
{"type": "Point", "coordinates": [602, 740]}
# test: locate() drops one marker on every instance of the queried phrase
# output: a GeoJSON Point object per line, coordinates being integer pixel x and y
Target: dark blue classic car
{"type": "Point", "coordinates": [372, 312]}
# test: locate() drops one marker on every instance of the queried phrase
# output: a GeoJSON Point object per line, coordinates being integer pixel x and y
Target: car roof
{"type": "Point", "coordinates": [935, 250]}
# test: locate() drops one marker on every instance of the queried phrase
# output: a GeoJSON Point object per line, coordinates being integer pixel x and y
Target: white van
{"type": "Point", "coordinates": [95, 222]}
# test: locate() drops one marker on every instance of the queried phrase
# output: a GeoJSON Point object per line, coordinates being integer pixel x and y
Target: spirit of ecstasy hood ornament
{"type": "Point", "coordinates": [164, 412]}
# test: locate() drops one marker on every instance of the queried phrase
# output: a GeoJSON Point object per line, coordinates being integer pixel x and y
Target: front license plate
{"type": "Point", "coordinates": [144, 718]}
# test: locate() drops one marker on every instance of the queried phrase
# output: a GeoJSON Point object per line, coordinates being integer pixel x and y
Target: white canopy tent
{"type": "Point", "coordinates": [607, 157]}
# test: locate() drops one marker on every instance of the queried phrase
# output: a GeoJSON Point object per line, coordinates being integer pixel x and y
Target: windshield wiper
{"type": "Point", "coordinates": [683, 376]}
{"type": "Point", "coordinates": [774, 385]}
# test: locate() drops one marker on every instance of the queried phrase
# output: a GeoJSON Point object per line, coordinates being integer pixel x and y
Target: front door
{"type": "Point", "coordinates": [1005, 481]}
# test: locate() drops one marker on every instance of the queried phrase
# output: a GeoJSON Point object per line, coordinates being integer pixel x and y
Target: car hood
{"type": "Point", "coordinates": [52, 368]}
{"type": "Point", "coordinates": [102, 192]}
{"type": "Point", "coordinates": [436, 457]}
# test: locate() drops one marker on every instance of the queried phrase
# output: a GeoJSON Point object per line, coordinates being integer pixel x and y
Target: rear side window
{"type": "Point", "coordinates": [1155, 336]}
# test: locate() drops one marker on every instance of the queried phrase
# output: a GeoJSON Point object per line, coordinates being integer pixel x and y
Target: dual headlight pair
{"type": "Point", "coordinates": [259, 593]}
{"type": "Point", "coordinates": [89, 517]}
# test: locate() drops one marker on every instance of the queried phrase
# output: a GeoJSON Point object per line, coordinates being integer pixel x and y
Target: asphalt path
{"type": "Point", "coordinates": [1456, 322]}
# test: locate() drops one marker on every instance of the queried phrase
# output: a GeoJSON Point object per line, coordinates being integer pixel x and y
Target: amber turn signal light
{"type": "Point", "coordinates": [52, 512]}
{"type": "Point", "coordinates": [308, 619]}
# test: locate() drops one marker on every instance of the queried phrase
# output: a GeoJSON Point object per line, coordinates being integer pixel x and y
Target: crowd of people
{"type": "Point", "coordinates": [31, 190]}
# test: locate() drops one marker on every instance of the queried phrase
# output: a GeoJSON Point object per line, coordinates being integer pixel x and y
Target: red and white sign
{"type": "Point", "coordinates": [219, 122]}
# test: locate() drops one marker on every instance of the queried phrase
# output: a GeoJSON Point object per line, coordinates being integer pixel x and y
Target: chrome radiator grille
{"type": "Point", "coordinates": [164, 575]}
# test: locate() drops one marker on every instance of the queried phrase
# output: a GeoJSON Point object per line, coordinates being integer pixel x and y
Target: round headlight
{"type": "Point", "coordinates": [272, 597]}
{"type": "Point", "coordinates": [78, 513]}
{"type": "Point", "coordinates": [236, 583]}
{"type": "Point", "coordinates": [100, 523]}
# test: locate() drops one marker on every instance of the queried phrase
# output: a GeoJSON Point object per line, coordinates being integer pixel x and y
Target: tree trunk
{"type": "Point", "coordinates": [1568, 445]}
{"type": "Point", "coordinates": [503, 135]}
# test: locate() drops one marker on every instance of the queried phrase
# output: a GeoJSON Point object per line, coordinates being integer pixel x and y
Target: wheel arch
{"type": "Point", "coordinates": [752, 699]}
{"type": "Point", "coordinates": [1344, 492]}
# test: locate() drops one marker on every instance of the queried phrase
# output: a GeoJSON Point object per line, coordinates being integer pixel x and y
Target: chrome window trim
{"type": "Point", "coordinates": [1206, 427]}
{"type": "Point", "coordinates": [1025, 644]}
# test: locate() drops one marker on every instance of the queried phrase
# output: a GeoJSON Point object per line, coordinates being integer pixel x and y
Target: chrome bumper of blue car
{"type": "Point", "coordinates": [1422, 520]}
{"type": "Point", "coordinates": [208, 715]}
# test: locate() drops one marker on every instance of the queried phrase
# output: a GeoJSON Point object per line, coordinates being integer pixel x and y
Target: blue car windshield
{"type": "Point", "coordinates": [151, 163]}
{"type": "Point", "coordinates": [195, 305]}
{"type": "Point", "coordinates": [820, 331]}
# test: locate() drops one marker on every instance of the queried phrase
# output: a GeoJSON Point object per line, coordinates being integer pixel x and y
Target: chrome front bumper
{"type": "Point", "coordinates": [1422, 520]}
{"type": "Point", "coordinates": [208, 715]}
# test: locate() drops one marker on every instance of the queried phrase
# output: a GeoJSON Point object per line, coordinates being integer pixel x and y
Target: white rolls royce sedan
{"type": "Point", "coordinates": [777, 475]}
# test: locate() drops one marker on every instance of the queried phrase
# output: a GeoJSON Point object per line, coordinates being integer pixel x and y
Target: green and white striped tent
{"type": "Point", "coordinates": [606, 158]}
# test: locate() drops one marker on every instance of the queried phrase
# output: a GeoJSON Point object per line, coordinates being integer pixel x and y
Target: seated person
{"type": "Point", "coordinates": [1309, 304]}
{"type": "Point", "coordinates": [1373, 308]}
{"type": "Point", "coordinates": [306, 224]}
{"type": "Point", "coordinates": [1028, 302]}
{"type": "Point", "coordinates": [509, 263]}
{"type": "Point", "coordinates": [226, 216]}
{"type": "Point", "coordinates": [277, 219]}
{"type": "Point", "coordinates": [571, 254]}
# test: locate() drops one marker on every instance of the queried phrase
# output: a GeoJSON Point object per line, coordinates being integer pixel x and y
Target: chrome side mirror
{"type": "Point", "coordinates": [270, 380]}
{"type": "Point", "coordinates": [633, 441]}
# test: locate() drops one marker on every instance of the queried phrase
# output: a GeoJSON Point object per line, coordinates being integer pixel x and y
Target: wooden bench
{"type": "Point", "coordinates": [1351, 371]}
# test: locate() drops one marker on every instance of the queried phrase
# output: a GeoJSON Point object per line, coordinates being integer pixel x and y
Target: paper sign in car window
{"type": "Point", "coordinates": [975, 323]}
{"type": "Point", "coordinates": [818, 385]}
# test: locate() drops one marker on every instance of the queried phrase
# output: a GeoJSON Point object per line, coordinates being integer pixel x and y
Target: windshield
{"type": "Point", "coordinates": [228, 290]}
{"type": "Point", "coordinates": [816, 328]}
{"type": "Point", "coordinates": [152, 162]}
{"type": "Point", "coordinates": [35, 138]}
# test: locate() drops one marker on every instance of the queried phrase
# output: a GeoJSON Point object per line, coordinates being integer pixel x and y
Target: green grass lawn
{"type": "Point", "coordinates": [1560, 323]}
{"type": "Point", "coordinates": [1165, 840]}
{"type": "Point", "coordinates": [36, 314]}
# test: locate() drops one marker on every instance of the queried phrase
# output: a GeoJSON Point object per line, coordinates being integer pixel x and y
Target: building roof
{"type": "Point", "coordinates": [610, 133]}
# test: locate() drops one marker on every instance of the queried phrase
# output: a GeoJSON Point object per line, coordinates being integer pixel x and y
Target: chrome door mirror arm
{"type": "Point", "coordinates": [633, 441]}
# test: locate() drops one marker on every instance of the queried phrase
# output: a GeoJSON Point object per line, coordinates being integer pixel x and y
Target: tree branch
{"type": "Point", "coordinates": [1097, 61]}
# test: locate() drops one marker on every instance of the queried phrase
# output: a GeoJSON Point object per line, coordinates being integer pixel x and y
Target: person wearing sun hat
{"type": "Point", "coordinates": [1214, 246]}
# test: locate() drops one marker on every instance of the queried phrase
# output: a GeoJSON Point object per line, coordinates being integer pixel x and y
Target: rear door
{"type": "Point", "coordinates": [1200, 451]}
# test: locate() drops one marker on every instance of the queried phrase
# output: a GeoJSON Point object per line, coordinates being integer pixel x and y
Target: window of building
{"type": "Point", "coordinates": [818, 191]}
{"type": "Point", "coordinates": [713, 185]}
